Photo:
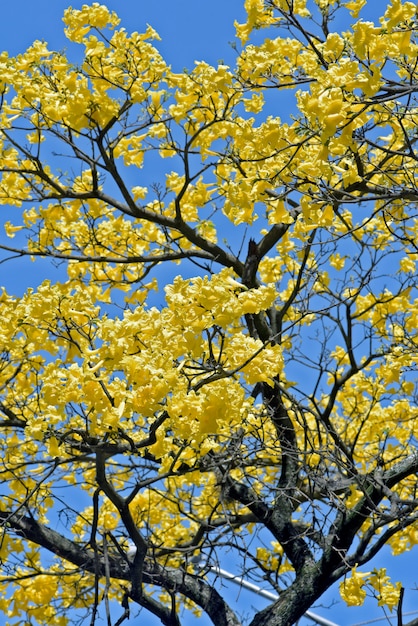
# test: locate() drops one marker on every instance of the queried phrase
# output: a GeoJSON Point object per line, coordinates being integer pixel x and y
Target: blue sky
{"type": "Point", "coordinates": [190, 30]}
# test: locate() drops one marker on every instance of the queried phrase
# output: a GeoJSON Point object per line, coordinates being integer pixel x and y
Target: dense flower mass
{"type": "Point", "coordinates": [229, 366]}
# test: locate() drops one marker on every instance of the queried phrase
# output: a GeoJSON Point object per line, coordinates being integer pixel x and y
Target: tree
{"type": "Point", "coordinates": [264, 410]}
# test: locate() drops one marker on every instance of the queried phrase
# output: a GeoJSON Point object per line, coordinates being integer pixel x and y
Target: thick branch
{"type": "Point", "coordinates": [349, 522]}
{"type": "Point", "coordinates": [196, 589]}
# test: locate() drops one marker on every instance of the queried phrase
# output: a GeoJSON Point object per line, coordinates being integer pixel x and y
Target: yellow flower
{"type": "Point", "coordinates": [352, 589]}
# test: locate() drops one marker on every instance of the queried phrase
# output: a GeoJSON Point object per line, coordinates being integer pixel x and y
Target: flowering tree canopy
{"type": "Point", "coordinates": [227, 370]}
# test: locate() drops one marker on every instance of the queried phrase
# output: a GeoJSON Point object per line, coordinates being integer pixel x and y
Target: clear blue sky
{"type": "Point", "coordinates": [190, 30]}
